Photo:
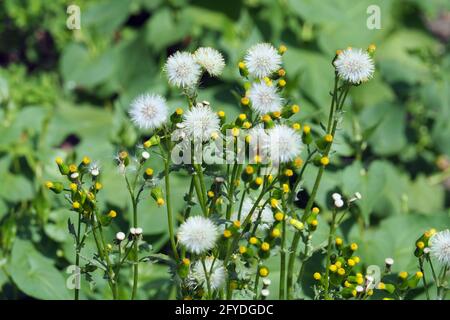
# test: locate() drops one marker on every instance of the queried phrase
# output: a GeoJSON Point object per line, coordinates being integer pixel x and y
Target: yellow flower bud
{"type": "Point", "coordinates": [263, 272]}
{"type": "Point", "coordinates": [186, 261]}
{"type": "Point", "coordinates": [295, 108]}
{"type": "Point", "coordinates": [265, 246]}
{"type": "Point", "coordinates": [282, 49]}
{"type": "Point", "coordinates": [59, 161]}
{"type": "Point", "coordinates": [354, 246]}
{"type": "Point", "coordinates": [317, 276]}
{"type": "Point", "coordinates": [179, 111]}
{"type": "Point", "coordinates": [221, 114]}
{"type": "Point", "coordinates": [296, 126]}
{"type": "Point", "coordinates": [160, 202]}
{"type": "Point", "coordinates": [86, 160]}
{"type": "Point", "coordinates": [306, 129]}
{"type": "Point", "coordinates": [279, 216]}
{"type": "Point", "coordinates": [276, 233]}
{"type": "Point", "coordinates": [324, 161]}
{"type": "Point", "coordinates": [210, 194]}
{"type": "Point", "coordinates": [227, 233]}
{"type": "Point", "coordinates": [76, 205]}
{"type": "Point", "coordinates": [288, 173]}
{"type": "Point", "coordinates": [242, 249]}
{"type": "Point", "coordinates": [285, 187]}
{"type": "Point", "coordinates": [273, 203]}
{"type": "Point", "coordinates": [112, 214]}
{"type": "Point", "coordinates": [253, 240]}
{"type": "Point", "coordinates": [245, 101]}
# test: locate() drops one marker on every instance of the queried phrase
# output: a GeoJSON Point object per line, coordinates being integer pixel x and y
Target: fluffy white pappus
{"type": "Point", "coordinates": [440, 247]}
{"type": "Point", "coordinates": [94, 168]}
{"type": "Point", "coordinates": [215, 271]}
{"type": "Point", "coordinates": [258, 140]}
{"type": "Point", "coordinates": [285, 144]}
{"type": "Point", "coordinates": [211, 60]}
{"type": "Point", "coordinates": [264, 98]}
{"type": "Point", "coordinates": [265, 213]}
{"type": "Point", "coordinates": [182, 70]}
{"type": "Point", "coordinates": [200, 123]}
{"type": "Point", "coordinates": [262, 60]}
{"type": "Point", "coordinates": [198, 234]}
{"type": "Point", "coordinates": [149, 111]}
{"type": "Point", "coordinates": [354, 66]}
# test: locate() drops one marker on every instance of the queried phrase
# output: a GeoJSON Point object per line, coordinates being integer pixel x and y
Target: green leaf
{"type": "Point", "coordinates": [35, 274]}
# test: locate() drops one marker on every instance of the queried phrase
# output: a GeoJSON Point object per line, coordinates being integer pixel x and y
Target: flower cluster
{"type": "Point", "coordinates": [244, 211]}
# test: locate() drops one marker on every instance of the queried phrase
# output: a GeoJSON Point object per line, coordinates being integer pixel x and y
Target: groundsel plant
{"type": "Point", "coordinates": [242, 204]}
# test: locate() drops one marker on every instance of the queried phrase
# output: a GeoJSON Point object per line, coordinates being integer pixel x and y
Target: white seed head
{"type": "Point", "coordinates": [74, 175]}
{"type": "Point", "coordinates": [215, 271]}
{"type": "Point", "coordinates": [138, 231]}
{"type": "Point", "coordinates": [264, 98]}
{"type": "Point", "coordinates": [267, 282]}
{"type": "Point", "coordinates": [389, 261]}
{"type": "Point", "coordinates": [148, 111]}
{"type": "Point", "coordinates": [359, 289]}
{"type": "Point", "coordinates": [182, 70]}
{"type": "Point", "coordinates": [440, 247]}
{"type": "Point", "coordinates": [211, 60]}
{"type": "Point", "coordinates": [354, 66]}
{"type": "Point", "coordinates": [285, 144]}
{"type": "Point", "coordinates": [339, 203]}
{"type": "Point", "coordinates": [120, 236]}
{"type": "Point", "coordinates": [265, 292]}
{"type": "Point", "coordinates": [198, 234]}
{"type": "Point", "coordinates": [94, 169]}
{"type": "Point", "coordinates": [426, 250]}
{"type": "Point", "coordinates": [262, 60]}
{"type": "Point", "coordinates": [133, 231]}
{"type": "Point", "coordinates": [265, 214]}
{"type": "Point", "coordinates": [145, 155]}
{"type": "Point", "coordinates": [336, 196]}
{"type": "Point", "coordinates": [200, 123]}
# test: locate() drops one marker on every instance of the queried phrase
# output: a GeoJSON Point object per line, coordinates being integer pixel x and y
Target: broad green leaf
{"type": "Point", "coordinates": [35, 274]}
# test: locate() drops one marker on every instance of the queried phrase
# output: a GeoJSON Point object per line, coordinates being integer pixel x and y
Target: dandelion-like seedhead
{"type": "Point", "coordinates": [211, 60]}
{"type": "Point", "coordinates": [440, 247]}
{"type": "Point", "coordinates": [264, 98]}
{"type": "Point", "coordinates": [182, 70]}
{"type": "Point", "coordinates": [200, 123]}
{"type": "Point", "coordinates": [262, 60]}
{"type": "Point", "coordinates": [265, 214]}
{"type": "Point", "coordinates": [149, 111]}
{"type": "Point", "coordinates": [215, 271]}
{"type": "Point", "coordinates": [285, 144]}
{"type": "Point", "coordinates": [198, 234]}
{"type": "Point", "coordinates": [354, 65]}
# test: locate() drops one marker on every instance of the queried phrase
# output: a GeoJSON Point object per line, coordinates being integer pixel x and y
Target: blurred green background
{"type": "Point", "coordinates": [66, 92]}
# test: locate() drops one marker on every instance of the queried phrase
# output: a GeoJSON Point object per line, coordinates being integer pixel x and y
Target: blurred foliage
{"type": "Point", "coordinates": [67, 92]}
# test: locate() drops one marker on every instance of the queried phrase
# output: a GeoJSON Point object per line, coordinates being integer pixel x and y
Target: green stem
{"type": "Point", "coordinates": [424, 278]}
{"type": "Point", "coordinates": [336, 103]}
{"type": "Point", "coordinates": [77, 258]}
{"type": "Point", "coordinates": [208, 284]}
{"type": "Point", "coordinates": [328, 260]}
{"type": "Point", "coordinates": [169, 211]}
